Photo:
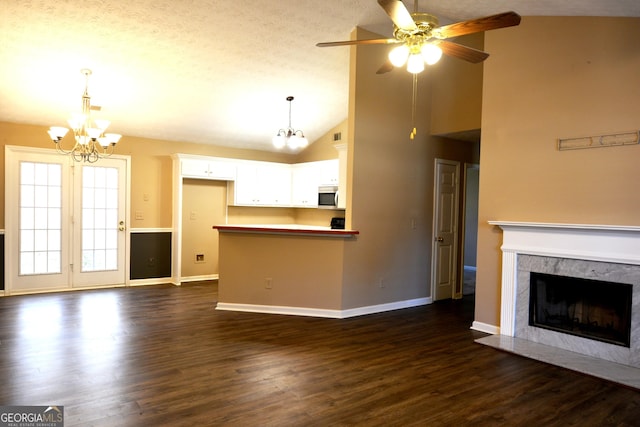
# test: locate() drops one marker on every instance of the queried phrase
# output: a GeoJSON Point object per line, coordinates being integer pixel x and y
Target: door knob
{"type": "Point", "coordinates": [439, 239]}
{"type": "Point", "coordinates": [121, 226]}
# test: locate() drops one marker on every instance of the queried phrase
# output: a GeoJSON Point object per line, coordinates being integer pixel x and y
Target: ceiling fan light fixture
{"type": "Point", "coordinates": [398, 55]}
{"type": "Point", "coordinates": [415, 63]}
{"type": "Point", "coordinates": [431, 53]}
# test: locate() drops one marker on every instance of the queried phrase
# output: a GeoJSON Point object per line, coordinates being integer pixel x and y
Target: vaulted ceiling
{"type": "Point", "coordinates": [207, 71]}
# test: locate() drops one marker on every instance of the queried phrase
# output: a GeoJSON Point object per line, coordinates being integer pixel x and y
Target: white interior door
{"type": "Point", "coordinates": [445, 229]}
{"type": "Point", "coordinates": [59, 224]}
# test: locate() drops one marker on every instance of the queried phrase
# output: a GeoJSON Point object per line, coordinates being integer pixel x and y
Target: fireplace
{"type": "Point", "coordinates": [593, 309]}
{"type": "Point", "coordinates": [608, 255]}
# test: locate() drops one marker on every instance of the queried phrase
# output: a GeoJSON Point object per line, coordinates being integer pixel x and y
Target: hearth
{"type": "Point", "coordinates": [594, 309]}
{"type": "Point", "coordinates": [607, 253]}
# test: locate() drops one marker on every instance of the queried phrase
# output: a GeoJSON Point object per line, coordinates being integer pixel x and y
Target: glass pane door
{"type": "Point", "coordinates": [37, 220]}
{"type": "Point", "coordinates": [100, 232]}
{"type": "Point", "coordinates": [64, 221]}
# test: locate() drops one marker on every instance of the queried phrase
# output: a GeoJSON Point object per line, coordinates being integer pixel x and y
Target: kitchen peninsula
{"type": "Point", "coordinates": [283, 269]}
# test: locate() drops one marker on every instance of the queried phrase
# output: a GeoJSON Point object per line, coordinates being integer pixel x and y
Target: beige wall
{"type": "Point", "coordinates": [323, 148]}
{"type": "Point", "coordinates": [550, 78]}
{"type": "Point", "coordinates": [203, 205]}
{"type": "Point", "coordinates": [390, 182]}
{"type": "Point", "coordinates": [457, 93]}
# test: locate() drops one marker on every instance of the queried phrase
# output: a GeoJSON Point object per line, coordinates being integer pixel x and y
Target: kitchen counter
{"type": "Point", "coordinates": [290, 229]}
{"type": "Point", "coordinates": [282, 268]}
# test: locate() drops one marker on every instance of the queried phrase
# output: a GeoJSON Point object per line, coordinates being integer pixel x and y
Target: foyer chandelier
{"type": "Point", "coordinates": [91, 141]}
{"type": "Point", "coordinates": [294, 139]}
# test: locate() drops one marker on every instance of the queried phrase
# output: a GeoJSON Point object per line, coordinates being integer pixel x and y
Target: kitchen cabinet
{"type": "Point", "coordinates": [304, 185]}
{"type": "Point", "coordinates": [328, 172]}
{"type": "Point", "coordinates": [262, 184]}
{"type": "Point", "coordinates": [208, 169]}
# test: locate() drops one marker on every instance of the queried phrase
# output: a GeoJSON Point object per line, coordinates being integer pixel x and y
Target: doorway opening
{"type": "Point", "coordinates": [470, 228]}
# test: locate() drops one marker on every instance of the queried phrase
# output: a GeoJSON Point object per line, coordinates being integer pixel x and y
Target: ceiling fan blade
{"type": "Point", "coordinates": [385, 68]}
{"type": "Point", "coordinates": [351, 42]}
{"type": "Point", "coordinates": [493, 22]}
{"type": "Point", "coordinates": [462, 52]}
{"type": "Point", "coordinates": [398, 14]}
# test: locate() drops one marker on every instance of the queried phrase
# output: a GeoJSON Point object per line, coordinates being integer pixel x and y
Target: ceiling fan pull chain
{"type": "Point", "coordinates": [412, 135]}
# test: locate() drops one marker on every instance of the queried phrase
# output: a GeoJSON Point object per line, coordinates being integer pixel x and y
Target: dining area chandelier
{"type": "Point", "coordinates": [91, 143]}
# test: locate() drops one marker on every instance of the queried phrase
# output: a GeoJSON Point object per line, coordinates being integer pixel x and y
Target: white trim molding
{"type": "Point", "coordinates": [320, 312]}
{"type": "Point", "coordinates": [606, 243]}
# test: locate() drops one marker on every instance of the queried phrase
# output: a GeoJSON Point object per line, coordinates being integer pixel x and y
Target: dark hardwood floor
{"type": "Point", "coordinates": [163, 356]}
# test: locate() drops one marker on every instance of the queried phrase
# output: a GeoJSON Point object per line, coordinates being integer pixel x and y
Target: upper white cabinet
{"type": "Point", "coordinates": [219, 169]}
{"type": "Point", "coordinates": [328, 172]}
{"type": "Point", "coordinates": [304, 185]}
{"type": "Point", "coordinates": [257, 183]}
{"type": "Point", "coordinates": [262, 184]}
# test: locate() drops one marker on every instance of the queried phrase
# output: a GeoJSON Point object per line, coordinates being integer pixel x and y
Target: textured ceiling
{"type": "Point", "coordinates": [207, 71]}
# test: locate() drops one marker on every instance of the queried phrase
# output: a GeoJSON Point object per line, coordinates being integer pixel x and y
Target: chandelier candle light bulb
{"type": "Point", "coordinates": [91, 143]}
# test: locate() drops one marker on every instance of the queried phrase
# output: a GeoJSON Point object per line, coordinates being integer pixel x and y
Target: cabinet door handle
{"type": "Point", "coordinates": [439, 239]}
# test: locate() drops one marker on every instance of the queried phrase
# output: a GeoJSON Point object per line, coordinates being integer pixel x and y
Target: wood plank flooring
{"type": "Point", "coordinates": [163, 356]}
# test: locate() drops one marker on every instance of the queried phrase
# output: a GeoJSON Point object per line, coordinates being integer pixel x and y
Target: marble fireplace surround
{"type": "Point", "coordinates": [600, 252]}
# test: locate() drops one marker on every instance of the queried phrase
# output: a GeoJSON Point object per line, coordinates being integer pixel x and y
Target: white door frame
{"type": "Point", "coordinates": [436, 208]}
{"type": "Point", "coordinates": [11, 221]}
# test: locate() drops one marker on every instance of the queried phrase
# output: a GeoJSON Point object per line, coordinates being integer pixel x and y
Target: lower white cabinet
{"type": "Point", "coordinates": [262, 184]}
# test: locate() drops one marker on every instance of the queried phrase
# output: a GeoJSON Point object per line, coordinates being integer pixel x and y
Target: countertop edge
{"type": "Point", "coordinates": [283, 230]}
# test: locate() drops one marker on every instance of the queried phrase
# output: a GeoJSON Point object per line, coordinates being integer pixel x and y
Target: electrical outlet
{"type": "Point", "coordinates": [268, 282]}
{"type": "Point", "coordinates": [381, 283]}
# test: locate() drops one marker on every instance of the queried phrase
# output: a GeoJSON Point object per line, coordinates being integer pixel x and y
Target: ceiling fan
{"type": "Point", "coordinates": [422, 40]}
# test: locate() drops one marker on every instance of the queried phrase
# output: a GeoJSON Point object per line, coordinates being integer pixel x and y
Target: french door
{"type": "Point", "coordinates": [65, 221]}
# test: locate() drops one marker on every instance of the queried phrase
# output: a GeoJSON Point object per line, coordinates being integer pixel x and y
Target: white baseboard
{"type": "Point", "coordinates": [319, 312]}
{"type": "Point", "coordinates": [149, 282]}
{"type": "Point", "coordinates": [379, 308]}
{"type": "Point", "coordinates": [485, 327]}
{"type": "Point", "coordinates": [199, 278]}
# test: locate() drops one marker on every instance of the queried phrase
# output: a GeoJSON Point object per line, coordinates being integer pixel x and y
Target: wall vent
{"type": "Point", "coordinates": [337, 136]}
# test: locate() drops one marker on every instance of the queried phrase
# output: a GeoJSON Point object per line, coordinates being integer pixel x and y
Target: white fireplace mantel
{"type": "Point", "coordinates": [607, 243]}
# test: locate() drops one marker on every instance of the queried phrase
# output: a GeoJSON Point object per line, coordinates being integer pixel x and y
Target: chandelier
{"type": "Point", "coordinates": [91, 141]}
{"type": "Point", "coordinates": [289, 137]}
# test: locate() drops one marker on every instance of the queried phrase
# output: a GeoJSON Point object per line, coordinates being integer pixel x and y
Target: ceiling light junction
{"type": "Point", "coordinates": [419, 46]}
{"type": "Point", "coordinates": [294, 139]}
{"type": "Point", "coordinates": [91, 141]}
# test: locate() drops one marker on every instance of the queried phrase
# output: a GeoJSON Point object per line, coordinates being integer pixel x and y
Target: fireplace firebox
{"type": "Point", "coordinates": [593, 309]}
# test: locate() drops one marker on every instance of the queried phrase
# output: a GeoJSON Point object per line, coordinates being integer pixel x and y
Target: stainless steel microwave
{"type": "Point", "coordinates": [328, 197]}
